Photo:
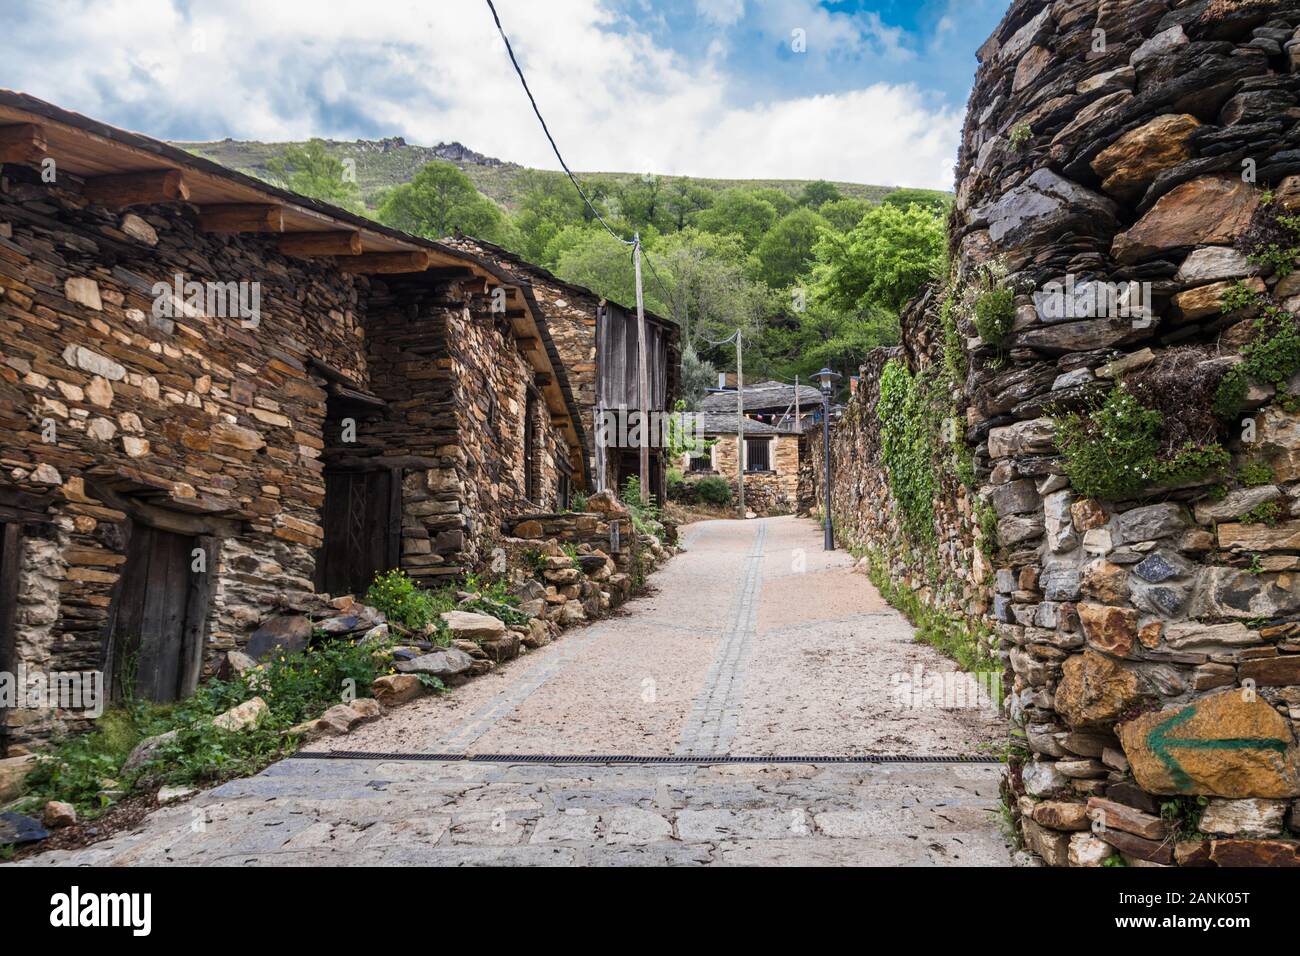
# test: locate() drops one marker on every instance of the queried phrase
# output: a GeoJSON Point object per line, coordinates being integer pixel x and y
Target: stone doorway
{"type": "Point", "coordinates": [363, 529]}
{"type": "Point", "coordinates": [158, 624]}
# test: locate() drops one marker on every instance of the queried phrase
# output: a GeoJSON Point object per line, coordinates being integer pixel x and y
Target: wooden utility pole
{"type": "Point", "coordinates": [797, 416]}
{"type": "Point", "coordinates": [643, 377]}
{"type": "Point", "coordinates": [740, 423]}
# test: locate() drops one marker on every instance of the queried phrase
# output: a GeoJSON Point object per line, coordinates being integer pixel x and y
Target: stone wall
{"type": "Point", "coordinates": [1148, 627]}
{"type": "Point", "coordinates": [773, 492]}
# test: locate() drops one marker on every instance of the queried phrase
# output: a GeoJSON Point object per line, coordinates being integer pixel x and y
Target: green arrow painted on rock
{"type": "Point", "coordinates": [1161, 743]}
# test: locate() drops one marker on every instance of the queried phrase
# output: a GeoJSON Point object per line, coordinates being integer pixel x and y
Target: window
{"type": "Point", "coordinates": [758, 454]}
{"type": "Point", "coordinates": [702, 461]}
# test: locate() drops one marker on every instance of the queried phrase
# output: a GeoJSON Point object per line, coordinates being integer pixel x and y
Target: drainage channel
{"type": "Point", "coordinates": [691, 759]}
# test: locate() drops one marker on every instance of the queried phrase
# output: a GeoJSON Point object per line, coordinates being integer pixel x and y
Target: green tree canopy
{"type": "Point", "coordinates": [880, 263]}
{"type": "Point", "coordinates": [741, 213]}
{"type": "Point", "coordinates": [439, 200]}
{"type": "Point", "coordinates": [818, 193]}
{"type": "Point", "coordinates": [786, 250]}
{"type": "Point", "coordinates": [937, 202]}
{"type": "Point", "coordinates": [311, 171]}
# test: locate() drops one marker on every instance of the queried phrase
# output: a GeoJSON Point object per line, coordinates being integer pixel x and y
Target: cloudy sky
{"type": "Point", "coordinates": [859, 90]}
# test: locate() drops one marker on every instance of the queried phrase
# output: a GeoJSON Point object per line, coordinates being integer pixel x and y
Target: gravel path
{"type": "Point", "coordinates": [754, 643]}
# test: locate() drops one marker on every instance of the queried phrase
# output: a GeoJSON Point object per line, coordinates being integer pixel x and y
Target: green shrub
{"type": "Point", "coordinates": [714, 490]}
{"type": "Point", "coordinates": [1115, 452]}
{"type": "Point", "coordinates": [403, 601]}
{"type": "Point", "coordinates": [1020, 136]}
{"type": "Point", "coordinates": [1255, 473]}
{"type": "Point", "coordinates": [578, 502]}
{"type": "Point", "coordinates": [995, 314]}
{"type": "Point", "coordinates": [1269, 513]}
{"type": "Point", "coordinates": [645, 517]}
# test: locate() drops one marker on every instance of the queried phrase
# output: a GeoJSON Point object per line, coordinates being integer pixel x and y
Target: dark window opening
{"type": "Point", "coordinates": [702, 462]}
{"type": "Point", "coordinates": [531, 482]}
{"type": "Point", "coordinates": [758, 454]}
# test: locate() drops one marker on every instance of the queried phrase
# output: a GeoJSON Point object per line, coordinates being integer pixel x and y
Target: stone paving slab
{"type": "Point", "coordinates": [532, 815]}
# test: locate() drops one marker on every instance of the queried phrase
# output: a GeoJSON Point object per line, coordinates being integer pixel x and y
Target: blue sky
{"type": "Point", "coordinates": [696, 87]}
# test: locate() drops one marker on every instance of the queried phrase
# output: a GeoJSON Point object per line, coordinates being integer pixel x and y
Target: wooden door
{"type": "Point", "coordinates": [363, 531]}
{"type": "Point", "coordinates": [158, 623]}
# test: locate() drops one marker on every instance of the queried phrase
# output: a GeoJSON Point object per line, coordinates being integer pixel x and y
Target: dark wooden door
{"type": "Point", "coordinates": [362, 530]}
{"type": "Point", "coordinates": [153, 632]}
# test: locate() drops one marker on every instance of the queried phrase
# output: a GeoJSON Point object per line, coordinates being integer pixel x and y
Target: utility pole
{"type": "Point", "coordinates": [797, 415]}
{"type": "Point", "coordinates": [643, 377]}
{"type": "Point", "coordinates": [740, 423]}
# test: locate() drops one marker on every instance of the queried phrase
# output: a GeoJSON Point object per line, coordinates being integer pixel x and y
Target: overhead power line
{"type": "Point", "coordinates": [572, 178]}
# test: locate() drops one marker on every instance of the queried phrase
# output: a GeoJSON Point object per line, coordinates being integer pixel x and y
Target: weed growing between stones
{"type": "Point", "coordinates": [1272, 241]}
{"type": "Point", "coordinates": [91, 771]}
{"type": "Point", "coordinates": [966, 642]}
{"type": "Point", "coordinates": [1253, 474]}
{"type": "Point", "coordinates": [995, 310]}
{"type": "Point", "coordinates": [1120, 449]}
{"type": "Point", "coordinates": [1269, 513]}
{"type": "Point", "coordinates": [401, 600]}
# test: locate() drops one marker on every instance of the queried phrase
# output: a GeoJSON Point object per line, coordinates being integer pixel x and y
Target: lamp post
{"type": "Point", "coordinates": [827, 378]}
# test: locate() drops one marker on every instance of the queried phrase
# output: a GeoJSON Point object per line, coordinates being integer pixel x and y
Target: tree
{"type": "Point", "coordinates": [818, 193]}
{"type": "Point", "coordinates": [740, 213]}
{"type": "Point", "coordinates": [844, 214]}
{"type": "Point", "coordinates": [698, 376]}
{"type": "Point", "coordinates": [786, 250]}
{"type": "Point", "coordinates": [311, 171]}
{"type": "Point", "coordinates": [882, 262]}
{"type": "Point", "coordinates": [780, 199]}
{"type": "Point", "coordinates": [440, 200]}
{"type": "Point", "coordinates": [595, 259]}
{"type": "Point", "coordinates": [710, 292]}
{"type": "Point", "coordinates": [937, 202]}
{"type": "Point", "coordinates": [684, 199]}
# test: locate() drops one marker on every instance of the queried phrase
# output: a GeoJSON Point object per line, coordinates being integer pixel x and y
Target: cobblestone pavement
{"type": "Point", "coordinates": [754, 643]}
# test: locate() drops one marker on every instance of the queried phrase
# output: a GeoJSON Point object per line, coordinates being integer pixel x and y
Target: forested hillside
{"type": "Point", "coordinates": [815, 273]}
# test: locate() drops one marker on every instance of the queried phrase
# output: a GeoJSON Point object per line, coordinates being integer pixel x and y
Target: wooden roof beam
{"type": "Point", "coordinates": [386, 263]}
{"type": "Point", "coordinates": [22, 143]}
{"type": "Point", "coordinates": [308, 244]}
{"type": "Point", "coordinates": [138, 189]}
{"type": "Point", "coordinates": [542, 379]}
{"type": "Point", "coordinates": [241, 217]}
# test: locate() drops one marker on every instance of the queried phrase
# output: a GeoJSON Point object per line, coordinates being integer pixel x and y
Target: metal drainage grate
{"type": "Point", "coordinates": [694, 759]}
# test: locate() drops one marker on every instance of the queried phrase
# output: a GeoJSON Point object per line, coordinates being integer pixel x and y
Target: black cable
{"type": "Point", "coordinates": [573, 179]}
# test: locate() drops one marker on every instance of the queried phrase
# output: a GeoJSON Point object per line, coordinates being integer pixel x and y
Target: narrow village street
{"type": "Point", "coordinates": [753, 643]}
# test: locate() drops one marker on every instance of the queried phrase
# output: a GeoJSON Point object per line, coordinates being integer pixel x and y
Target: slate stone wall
{"type": "Point", "coordinates": [1121, 142]}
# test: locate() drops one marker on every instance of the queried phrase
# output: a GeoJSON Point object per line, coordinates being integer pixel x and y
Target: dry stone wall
{"type": "Point", "coordinates": [1136, 466]}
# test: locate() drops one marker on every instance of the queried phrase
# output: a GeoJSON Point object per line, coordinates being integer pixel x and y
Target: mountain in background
{"type": "Point", "coordinates": [385, 163]}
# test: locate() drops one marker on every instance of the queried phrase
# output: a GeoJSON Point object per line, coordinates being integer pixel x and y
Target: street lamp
{"type": "Point", "coordinates": [827, 378]}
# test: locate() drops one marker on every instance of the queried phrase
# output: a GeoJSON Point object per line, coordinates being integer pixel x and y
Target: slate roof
{"type": "Point", "coordinates": [763, 397]}
{"type": "Point", "coordinates": [721, 423]}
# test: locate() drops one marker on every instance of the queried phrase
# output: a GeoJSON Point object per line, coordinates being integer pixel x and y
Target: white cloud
{"type": "Point", "coordinates": [721, 12]}
{"type": "Point", "coordinates": [436, 71]}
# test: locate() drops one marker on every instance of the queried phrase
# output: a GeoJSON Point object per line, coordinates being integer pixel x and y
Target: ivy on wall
{"type": "Point", "coordinates": [908, 429]}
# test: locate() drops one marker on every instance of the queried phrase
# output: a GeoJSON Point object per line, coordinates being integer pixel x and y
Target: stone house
{"type": "Point", "coordinates": [597, 342]}
{"type": "Point", "coordinates": [770, 457]}
{"type": "Point", "coordinates": [221, 402]}
{"type": "Point", "coordinates": [776, 415]}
